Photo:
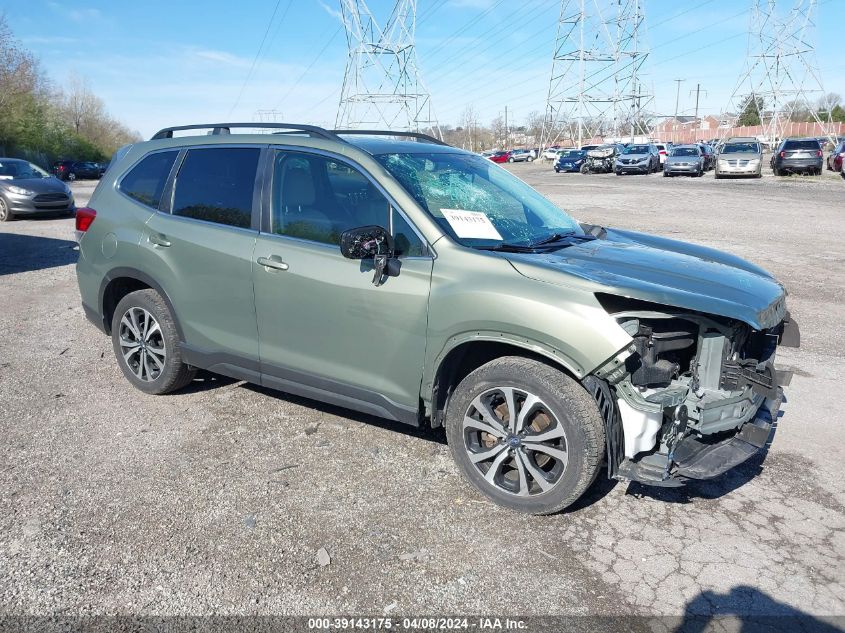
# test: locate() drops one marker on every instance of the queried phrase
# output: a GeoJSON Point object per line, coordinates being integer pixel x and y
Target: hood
{"type": "Point", "coordinates": [740, 155]}
{"type": "Point", "coordinates": [37, 185]}
{"type": "Point", "coordinates": [634, 156]}
{"type": "Point", "coordinates": [663, 271]}
{"type": "Point", "coordinates": [683, 159]}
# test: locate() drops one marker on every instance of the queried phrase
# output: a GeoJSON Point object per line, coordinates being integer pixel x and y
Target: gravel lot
{"type": "Point", "coordinates": [217, 499]}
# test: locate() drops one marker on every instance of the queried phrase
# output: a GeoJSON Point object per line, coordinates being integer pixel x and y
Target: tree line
{"type": "Point", "coordinates": [753, 110]}
{"type": "Point", "coordinates": [42, 122]}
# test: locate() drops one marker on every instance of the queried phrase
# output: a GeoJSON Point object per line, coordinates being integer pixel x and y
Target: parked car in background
{"type": "Point", "coordinates": [797, 156]}
{"type": "Point", "coordinates": [520, 156]}
{"type": "Point", "coordinates": [550, 153]}
{"type": "Point", "coordinates": [638, 158]}
{"type": "Point", "coordinates": [587, 148]}
{"type": "Point", "coordinates": [501, 157]}
{"type": "Point", "coordinates": [740, 157]}
{"type": "Point", "coordinates": [684, 159]}
{"type": "Point", "coordinates": [61, 168]}
{"type": "Point", "coordinates": [73, 170]}
{"type": "Point", "coordinates": [570, 160]}
{"type": "Point", "coordinates": [26, 189]}
{"type": "Point", "coordinates": [834, 159]}
{"type": "Point", "coordinates": [486, 154]}
{"type": "Point", "coordinates": [663, 150]}
{"type": "Point", "coordinates": [709, 156]}
{"type": "Point", "coordinates": [417, 282]}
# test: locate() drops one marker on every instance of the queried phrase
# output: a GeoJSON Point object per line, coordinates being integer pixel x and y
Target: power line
{"type": "Point", "coordinates": [255, 59]}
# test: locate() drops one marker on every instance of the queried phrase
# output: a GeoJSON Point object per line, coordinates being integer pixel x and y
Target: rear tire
{"type": "Point", "coordinates": [146, 344]}
{"type": "Point", "coordinates": [501, 458]}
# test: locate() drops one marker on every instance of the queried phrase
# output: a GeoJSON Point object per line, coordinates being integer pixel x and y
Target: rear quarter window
{"type": "Point", "coordinates": [145, 182]}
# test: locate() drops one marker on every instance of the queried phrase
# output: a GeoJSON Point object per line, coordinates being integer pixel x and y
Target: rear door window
{"type": "Point", "coordinates": [216, 184]}
{"type": "Point", "coordinates": [146, 181]}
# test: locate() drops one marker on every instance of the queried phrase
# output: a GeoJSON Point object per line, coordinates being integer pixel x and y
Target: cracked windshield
{"type": "Point", "coordinates": [478, 203]}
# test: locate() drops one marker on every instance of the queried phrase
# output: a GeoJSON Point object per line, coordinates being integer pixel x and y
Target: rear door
{"type": "Point", "coordinates": [203, 248]}
{"type": "Point", "coordinates": [325, 329]}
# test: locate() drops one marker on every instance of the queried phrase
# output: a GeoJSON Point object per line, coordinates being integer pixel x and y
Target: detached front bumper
{"type": "Point", "coordinates": [696, 457]}
{"type": "Point", "coordinates": [686, 453]}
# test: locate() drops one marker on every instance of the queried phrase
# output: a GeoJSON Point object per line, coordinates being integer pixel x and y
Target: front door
{"type": "Point", "coordinates": [325, 330]}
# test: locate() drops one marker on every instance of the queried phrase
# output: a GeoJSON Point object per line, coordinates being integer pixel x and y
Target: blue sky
{"type": "Point", "coordinates": [161, 63]}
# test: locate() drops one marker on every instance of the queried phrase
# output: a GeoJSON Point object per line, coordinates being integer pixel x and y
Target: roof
{"type": "Point", "coordinates": [385, 145]}
{"type": "Point", "coordinates": [371, 141]}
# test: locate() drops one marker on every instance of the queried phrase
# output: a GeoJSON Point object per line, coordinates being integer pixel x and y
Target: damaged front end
{"type": "Point", "coordinates": [693, 395]}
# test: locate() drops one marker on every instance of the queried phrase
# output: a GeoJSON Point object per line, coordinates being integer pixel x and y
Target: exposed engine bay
{"type": "Point", "coordinates": [693, 394]}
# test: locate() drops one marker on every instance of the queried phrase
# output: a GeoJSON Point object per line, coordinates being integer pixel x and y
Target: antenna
{"type": "Point", "coordinates": [781, 80]}
{"type": "Point", "coordinates": [595, 88]}
{"type": "Point", "coordinates": [382, 87]}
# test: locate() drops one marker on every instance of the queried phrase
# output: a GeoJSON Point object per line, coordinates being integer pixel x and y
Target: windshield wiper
{"type": "Point", "coordinates": [555, 240]}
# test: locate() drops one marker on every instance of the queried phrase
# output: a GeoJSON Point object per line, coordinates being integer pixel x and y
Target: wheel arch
{"type": "Point", "coordinates": [464, 354]}
{"type": "Point", "coordinates": [118, 283]}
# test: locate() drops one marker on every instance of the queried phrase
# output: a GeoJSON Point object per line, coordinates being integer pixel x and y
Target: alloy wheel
{"type": "Point", "coordinates": [4, 210]}
{"type": "Point", "coordinates": [514, 441]}
{"type": "Point", "coordinates": [142, 344]}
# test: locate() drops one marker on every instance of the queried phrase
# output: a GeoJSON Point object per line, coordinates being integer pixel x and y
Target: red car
{"type": "Point", "coordinates": [500, 157]}
{"type": "Point", "coordinates": [834, 161]}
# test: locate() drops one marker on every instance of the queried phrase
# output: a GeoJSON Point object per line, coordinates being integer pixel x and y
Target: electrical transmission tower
{"type": "Point", "coordinates": [595, 88]}
{"type": "Point", "coordinates": [382, 87]}
{"type": "Point", "coordinates": [781, 81]}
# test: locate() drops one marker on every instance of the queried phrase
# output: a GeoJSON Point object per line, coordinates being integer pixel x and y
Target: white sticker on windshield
{"type": "Point", "coordinates": [471, 224]}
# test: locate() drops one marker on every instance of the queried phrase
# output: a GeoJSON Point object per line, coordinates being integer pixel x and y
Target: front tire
{"type": "Point", "coordinates": [146, 344]}
{"type": "Point", "coordinates": [525, 434]}
{"type": "Point", "coordinates": [6, 214]}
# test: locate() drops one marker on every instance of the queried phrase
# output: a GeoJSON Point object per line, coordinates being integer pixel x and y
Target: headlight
{"type": "Point", "coordinates": [20, 191]}
{"type": "Point", "coordinates": [723, 163]}
{"type": "Point", "coordinates": [754, 161]}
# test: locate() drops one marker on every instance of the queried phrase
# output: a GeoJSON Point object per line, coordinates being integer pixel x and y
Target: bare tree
{"type": "Point", "coordinates": [469, 123]}
{"type": "Point", "coordinates": [82, 107]}
{"type": "Point", "coordinates": [19, 71]}
{"type": "Point", "coordinates": [497, 127]}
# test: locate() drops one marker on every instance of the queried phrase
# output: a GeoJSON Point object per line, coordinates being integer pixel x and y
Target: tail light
{"type": "Point", "coordinates": [85, 218]}
{"type": "Point", "coordinates": [783, 154]}
{"type": "Point", "coordinates": [819, 153]}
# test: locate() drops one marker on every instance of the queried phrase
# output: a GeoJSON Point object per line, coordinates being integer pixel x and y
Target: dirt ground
{"type": "Point", "coordinates": [218, 498]}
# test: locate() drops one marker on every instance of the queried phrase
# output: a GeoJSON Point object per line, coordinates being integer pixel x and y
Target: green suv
{"type": "Point", "coordinates": [394, 275]}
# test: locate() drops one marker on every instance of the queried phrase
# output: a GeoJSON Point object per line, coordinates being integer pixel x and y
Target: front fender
{"type": "Point", "coordinates": [479, 296]}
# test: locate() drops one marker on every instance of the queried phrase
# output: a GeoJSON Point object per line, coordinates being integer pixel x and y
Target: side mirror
{"type": "Point", "coordinates": [372, 241]}
{"type": "Point", "coordinates": [365, 242]}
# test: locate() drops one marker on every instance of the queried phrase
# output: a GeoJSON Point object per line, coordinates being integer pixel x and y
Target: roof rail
{"type": "Point", "coordinates": [225, 128]}
{"type": "Point", "coordinates": [425, 138]}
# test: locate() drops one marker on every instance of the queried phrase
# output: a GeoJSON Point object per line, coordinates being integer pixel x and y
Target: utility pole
{"type": "Point", "coordinates": [507, 136]}
{"type": "Point", "coordinates": [697, 92]}
{"type": "Point", "coordinates": [678, 97]}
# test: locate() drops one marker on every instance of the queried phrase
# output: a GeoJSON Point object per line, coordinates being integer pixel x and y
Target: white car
{"type": "Point", "coordinates": [552, 152]}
